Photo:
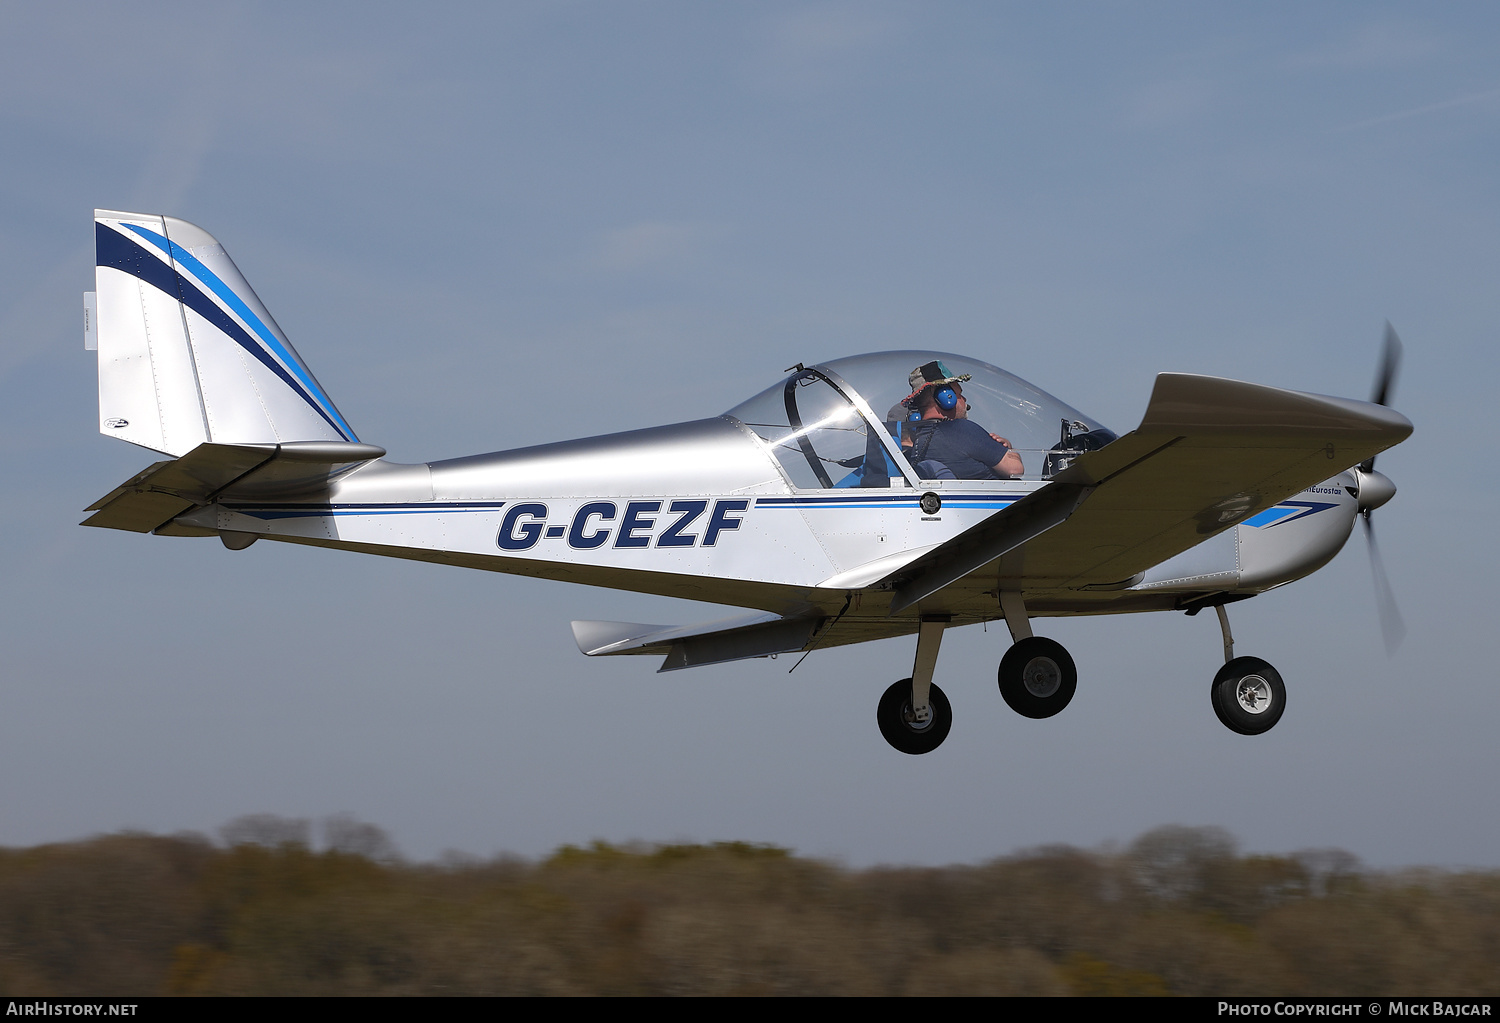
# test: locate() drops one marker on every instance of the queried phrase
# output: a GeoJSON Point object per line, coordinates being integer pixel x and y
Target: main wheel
{"type": "Point", "coordinates": [899, 725]}
{"type": "Point", "coordinates": [1248, 696]}
{"type": "Point", "coordinates": [1037, 677]}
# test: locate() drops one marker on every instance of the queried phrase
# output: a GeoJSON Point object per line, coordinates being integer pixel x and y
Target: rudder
{"type": "Point", "coordinates": [187, 353]}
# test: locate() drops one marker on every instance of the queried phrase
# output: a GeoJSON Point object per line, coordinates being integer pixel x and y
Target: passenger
{"type": "Point", "coordinates": [944, 440]}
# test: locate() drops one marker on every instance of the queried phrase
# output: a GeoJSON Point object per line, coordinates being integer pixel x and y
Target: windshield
{"type": "Point", "coordinates": [812, 423]}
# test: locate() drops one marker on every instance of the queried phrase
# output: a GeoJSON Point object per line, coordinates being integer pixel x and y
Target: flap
{"type": "Point", "coordinates": [688, 646]}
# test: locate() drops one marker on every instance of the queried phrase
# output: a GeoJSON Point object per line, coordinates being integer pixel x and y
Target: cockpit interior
{"type": "Point", "coordinates": [858, 422]}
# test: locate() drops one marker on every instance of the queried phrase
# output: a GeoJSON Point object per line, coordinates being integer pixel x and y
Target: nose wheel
{"type": "Point", "coordinates": [1037, 677]}
{"type": "Point", "coordinates": [1248, 693]}
{"type": "Point", "coordinates": [1248, 696]}
{"type": "Point", "coordinates": [907, 730]}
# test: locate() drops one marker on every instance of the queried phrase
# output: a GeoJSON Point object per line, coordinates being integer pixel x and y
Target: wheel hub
{"type": "Point", "coordinates": [1253, 694]}
{"type": "Point", "coordinates": [1041, 677]}
{"type": "Point", "coordinates": [917, 722]}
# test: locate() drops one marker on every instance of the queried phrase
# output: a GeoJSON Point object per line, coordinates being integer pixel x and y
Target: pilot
{"type": "Point", "coordinates": [945, 443]}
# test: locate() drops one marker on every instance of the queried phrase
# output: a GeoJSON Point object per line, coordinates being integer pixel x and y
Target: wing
{"type": "Point", "coordinates": [1208, 454]}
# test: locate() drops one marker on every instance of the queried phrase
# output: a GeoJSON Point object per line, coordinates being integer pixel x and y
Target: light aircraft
{"type": "Point", "coordinates": [807, 503]}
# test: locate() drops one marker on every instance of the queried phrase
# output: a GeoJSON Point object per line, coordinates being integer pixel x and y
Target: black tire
{"type": "Point", "coordinates": [1249, 696]}
{"type": "Point", "coordinates": [894, 716]}
{"type": "Point", "coordinates": [1038, 677]}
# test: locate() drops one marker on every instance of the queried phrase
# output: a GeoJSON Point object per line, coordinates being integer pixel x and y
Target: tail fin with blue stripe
{"type": "Point", "coordinates": [187, 353]}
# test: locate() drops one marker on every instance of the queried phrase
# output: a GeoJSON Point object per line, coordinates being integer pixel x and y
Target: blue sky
{"type": "Point", "coordinates": [652, 209]}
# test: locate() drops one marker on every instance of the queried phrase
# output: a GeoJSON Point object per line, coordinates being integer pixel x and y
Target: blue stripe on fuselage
{"type": "Point", "coordinates": [1288, 511]}
{"type": "Point", "coordinates": [326, 510]}
{"type": "Point", "coordinates": [887, 501]}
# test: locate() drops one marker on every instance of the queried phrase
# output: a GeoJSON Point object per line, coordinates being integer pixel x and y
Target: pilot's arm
{"type": "Point", "coordinates": [1010, 466]}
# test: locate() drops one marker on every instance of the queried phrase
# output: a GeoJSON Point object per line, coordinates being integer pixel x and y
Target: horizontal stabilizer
{"type": "Point", "coordinates": [690, 646]}
{"type": "Point", "coordinates": [152, 498]}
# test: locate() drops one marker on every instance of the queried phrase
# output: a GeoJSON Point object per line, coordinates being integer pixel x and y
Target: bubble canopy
{"type": "Point", "coordinates": [842, 423]}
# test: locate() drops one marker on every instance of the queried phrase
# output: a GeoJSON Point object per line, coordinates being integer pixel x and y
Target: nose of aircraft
{"type": "Point", "coordinates": [1375, 489]}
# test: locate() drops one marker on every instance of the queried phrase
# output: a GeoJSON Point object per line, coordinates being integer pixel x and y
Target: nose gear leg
{"type": "Point", "coordinates": [1248, 694]}
{"type": "Point", "coordinates": [1228, 636]}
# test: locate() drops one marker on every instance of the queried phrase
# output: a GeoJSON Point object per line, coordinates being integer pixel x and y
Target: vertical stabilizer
{"type": "Point", "coordinates": [187, 353]}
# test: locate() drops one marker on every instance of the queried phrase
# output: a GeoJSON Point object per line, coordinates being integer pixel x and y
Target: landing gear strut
{"type": "Point", "coordinates": [1248, 694]}
{"type": "Point", "coordinates": [914, 715]}
{"type": "Point", "coordinates": [1037, 675]}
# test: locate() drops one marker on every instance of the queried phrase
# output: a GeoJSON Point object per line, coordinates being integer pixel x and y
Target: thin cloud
{"type": "Point", "coordinates": [821, 46]}
{"type": "Point", "coordinates": [1383, 44]}
{"type": "Point", "coordinates": [29, 325]}
{"type": "Point", "coordinates": [189, 127]}
{"type": "Point", "coordinates": [1167, 103]}
{"type": "Point", "coordinates": [651, 244]}
{"type": "Point", "coordinates": [820, 31]}
{"type": "Point", "coordinates": [1430, 108]}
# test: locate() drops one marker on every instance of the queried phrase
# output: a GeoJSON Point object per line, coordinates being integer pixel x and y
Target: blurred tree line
{"type": "Point", "coordinates": [1177, 912]}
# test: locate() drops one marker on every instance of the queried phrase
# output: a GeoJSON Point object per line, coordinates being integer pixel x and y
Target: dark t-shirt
{"type": "Point", "coordinates": [963, 446]}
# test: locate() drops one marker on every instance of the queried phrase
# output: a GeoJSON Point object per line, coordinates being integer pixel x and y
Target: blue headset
{"type": "Point", "coordinates": [945, 397]}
